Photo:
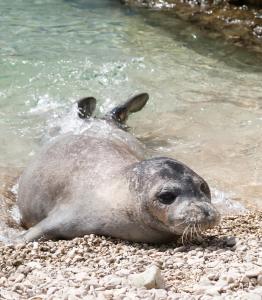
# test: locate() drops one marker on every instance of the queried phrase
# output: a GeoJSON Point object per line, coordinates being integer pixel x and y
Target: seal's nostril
{"type": "Point", "coordinates": [206, 213]}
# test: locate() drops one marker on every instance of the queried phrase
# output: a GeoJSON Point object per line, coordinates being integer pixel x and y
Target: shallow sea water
{"type": "Point", "coordinates": [205, 105]}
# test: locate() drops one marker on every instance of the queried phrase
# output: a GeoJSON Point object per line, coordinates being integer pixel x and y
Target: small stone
{"type": "Point", "coordinates": [119, 292]}
{"type": "Point", "coordinates": [212, 264]}
{"type": "Point", "coordinates": [204, 281]}
{"type": "Point", "coordinates": [213, 277]}
{"type": "Point", "coordinates": [112, 281]}
{"type": "Point", "coordinates": [231, 241]}
{"type": "Point", "coordinates": [259, 280]}
{"type": "Point", "coordinates": [242, 248]}
{"type": "Point", "coordinates": [3, 280]}
{"type": "Point", "coordinates": [123, 272]}
{"type": "Point", "coordinates": [251, 296]}
{"type": "Point", "coordinates": [179, 265]}
{"type": "Point", "coordinates": [200, 289]}
{"type": "Point", "coordinates": [151, 278]}
{"type": "Point", "coordinates": [18, 287]}
{"type": "Point", "coordinates": [93, 282]}
{"type": "Point", "coordinates": [101, 297]}
{"type": "Point", "coordinates": [232, 277]}
{"type": "Point", "coordinates": [160, 294]}
{"type": "Point", "coordinates": [35, 245]}
{"type": "Point", "coordinates": [81, 276]}
{"type": "Point", "coordinates": [221, 285]}
{"type": "Point", "coordinates": [254, 273]}
{"type": "Point", "coordinates": [51, 290]}
{"type": "Point", "coordinates": [212, 292]}
{"type": "Point", "coordinates": [244, 279]}
{"type": "Point", "coordinates": [258, 291]}
{"type": "Point", "coordinates": [34, 265]}
{"type": "Point", "coordinates": [203, 285]}
{"type": "Point", "coordinates": [19, 278]}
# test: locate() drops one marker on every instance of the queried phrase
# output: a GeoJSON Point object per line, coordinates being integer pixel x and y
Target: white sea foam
{"type": "Point", "coordinates": [14, 189]}
{"type": "Point", "coordinates": [225, 204]}
{"type": "Point", "coordinates": [15, 214]}
{"type": "Point", "coordinates": [44, 104]}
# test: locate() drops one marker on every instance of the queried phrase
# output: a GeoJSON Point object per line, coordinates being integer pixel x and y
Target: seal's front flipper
{"type": "Point", "coordinates": [132, 105]}
{"type": "Point", "coordinates": [86, 107]}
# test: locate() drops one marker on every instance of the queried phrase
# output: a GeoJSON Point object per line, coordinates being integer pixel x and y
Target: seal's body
{"type": "Point", "coordinates": [97, 182]}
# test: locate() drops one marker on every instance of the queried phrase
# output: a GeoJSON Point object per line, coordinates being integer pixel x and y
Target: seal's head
{"type": "Point", "coordinates": [172, 197]}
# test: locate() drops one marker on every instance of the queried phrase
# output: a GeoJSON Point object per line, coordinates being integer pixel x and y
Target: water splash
{"type": "Point", "coordinates": [225, 205]}
{"type": "Point", "coordinates": [44, 104]}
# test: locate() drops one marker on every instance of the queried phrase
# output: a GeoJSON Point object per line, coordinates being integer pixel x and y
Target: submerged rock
{"type": "Point", "coordinates": [239, 22]}
{"type": "Point", "coordinates": [248, 2]}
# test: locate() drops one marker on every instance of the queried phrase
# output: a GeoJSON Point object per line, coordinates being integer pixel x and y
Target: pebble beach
{"type": "Point", "coordinates": [225, 264]}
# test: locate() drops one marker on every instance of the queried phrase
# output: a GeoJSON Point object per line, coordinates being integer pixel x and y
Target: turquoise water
{"type": "Point", "coordinates": [206, 96]}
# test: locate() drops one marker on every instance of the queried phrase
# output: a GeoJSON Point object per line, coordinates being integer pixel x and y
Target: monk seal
{"type": "Point", "coordinates": [98, 181]}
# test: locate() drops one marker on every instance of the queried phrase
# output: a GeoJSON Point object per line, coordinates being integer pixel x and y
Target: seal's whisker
{"type": "Point", "coordinates": [199, 228]}
{"type": "Point", "coordinates": [181, 223]}
{"type": "Point", "coordinates": [195, 230]}
{"type": "Point", "coordinates": [184, 232]}
{"type": "Point", "coordinates": [191, 233]}
{"type": "Point", "coordinates": [188, 228]}
{"type": "Point", "coordinates": [182, 238]}
{"type": "Point", "coordinates": [198, 231]}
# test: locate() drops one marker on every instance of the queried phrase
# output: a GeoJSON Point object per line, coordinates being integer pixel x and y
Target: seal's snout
{"type": "Point", "coordinates": [200, 213]}
{"type": "Point", "coordinates": [204, 213]}
{"type": "Point", "coordinates": [193, 214]}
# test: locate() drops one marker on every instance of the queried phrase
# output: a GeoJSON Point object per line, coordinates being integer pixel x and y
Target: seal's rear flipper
{"type": "Point", "coordinates": [134, 104]}
{"type": "Point", "coordinates": [52, 227]}
{"type": "Point", "coordinates": [86, 107]}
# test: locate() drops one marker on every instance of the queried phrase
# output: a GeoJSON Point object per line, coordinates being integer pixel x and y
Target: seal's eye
{"type": "Point", "coordinates": [204, 188]}
{"type": "Point", "coordinates": [167, 197]}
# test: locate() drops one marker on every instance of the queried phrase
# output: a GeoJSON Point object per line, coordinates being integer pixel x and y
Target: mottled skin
{"type": "Point", "coordinates": [97, 182]}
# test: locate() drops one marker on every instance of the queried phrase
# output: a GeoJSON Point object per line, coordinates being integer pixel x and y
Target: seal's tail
{"type": "Point", "coordinates": [86, 107]}
{"type": "Point", "coordinates": [134, 104]}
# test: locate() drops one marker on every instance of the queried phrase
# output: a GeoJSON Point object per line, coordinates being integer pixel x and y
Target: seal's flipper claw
{"type": "Point", "coordinates": [86, 107]}
{"type": "Point", "coordinates": [132, 105]}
